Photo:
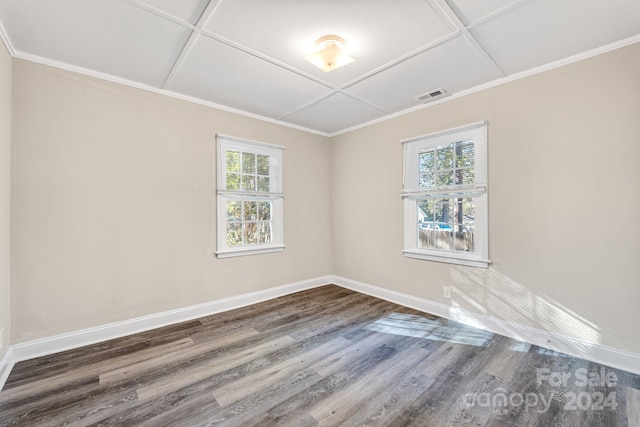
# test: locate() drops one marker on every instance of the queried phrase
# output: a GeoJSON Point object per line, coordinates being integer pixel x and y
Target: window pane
{"type": "Point", "coordinates": [264, 211]}
{"type": "Point", "coordinates": [430, 238]}
{"type": "Point", "coordinates": [464, 154]}
{"type": "Point", "coordinates": [468, 214]}
{"type": "Point", "coordinates": [426, 179]}
{"type": "Point", "coordinates": [426, 159]}
{"type": "Point", "coordinates": [234, 234]}
{"type": "Point", "coordinates": [234, 210]}
{"type": "Point", "coordinates": [263, 184]}
{"type": "Point", "coordinates": [248, 183]}
{"type": "Point", "coordinates": [250, 233]}
{"type": "Point", "coordinates": [248, 163]}
{"type": "Point", "coordinates": [250, 211]}
{"type": "Point", "coordinates": [264, 232]}
{"type": "Point", "coordinates": [444, 158]}
{"type": "Point", "coordinates": [233, 181]}
{"type": "Point", "coordinates": [435, 229]}
{"type": "Point", "coordinates": [464, 224]}
{"type": "Point", "coordinates": [465, 176]}
{"type": "Point", "coordinates": [444, 211]}
{"type": "Point", "coordinates": [233, 161]}
{"type": "Point", "coordinates": [263, 165]}
{"type": "Point", "coordinates": [464, 173]}
{"type": "Point", "coordinates": [444, 178]}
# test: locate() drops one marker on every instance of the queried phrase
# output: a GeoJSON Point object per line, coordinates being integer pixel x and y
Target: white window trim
{"type": "Point", "coordinates": [275, 153]}
{"type": "Point", "coordinates": [479, 258]}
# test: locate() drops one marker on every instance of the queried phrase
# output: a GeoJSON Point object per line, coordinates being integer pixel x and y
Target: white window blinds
{"type": "Point", "coordinates": [445, 196]}
{"type": "Point", "coordinates": [446, 164]}
{"type": "Point", "coordinates": [251, 169]}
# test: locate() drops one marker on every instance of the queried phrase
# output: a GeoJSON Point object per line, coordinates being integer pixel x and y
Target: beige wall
{"type": "Point", "coordinates": [114, 204]}
{"type": "Point", "coordinates": [564, 171]}
{"type": "Point", "coordinates": [5, 198]}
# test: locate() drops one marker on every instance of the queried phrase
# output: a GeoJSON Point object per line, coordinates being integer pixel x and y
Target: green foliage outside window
{"type": "Point", "coordinates": [249, 221]}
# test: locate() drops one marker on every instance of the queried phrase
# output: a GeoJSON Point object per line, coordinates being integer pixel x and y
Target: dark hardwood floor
{"type": "Point", "coordinates": [327, 356]}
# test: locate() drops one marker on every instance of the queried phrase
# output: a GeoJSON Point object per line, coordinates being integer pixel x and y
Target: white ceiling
{"type": "Point", "coordinates": [248, 55]}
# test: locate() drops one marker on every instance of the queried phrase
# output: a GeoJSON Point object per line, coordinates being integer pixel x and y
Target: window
{"type": "Point", "coordinates": [445, 196]}
{"type": "Point", "coordinates": [249, 197]}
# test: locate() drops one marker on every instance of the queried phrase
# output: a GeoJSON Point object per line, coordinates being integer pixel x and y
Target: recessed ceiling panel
{"type": "Point", "coordinates": [451, 66]}
{"type": "Point", "coordinates": [221, 74]}
{"type": "Point", "coordinates": [186, 10]}
{"type": "Point", "coordinates": [376, 31]}
{"type": "Point", "coordinates": [335, 113]}
{"type": "Point", "coordinates": [543, 31]}
{"type": "Point", "coordinates": [469, 11]}
{"type": "Point", "coordinates": [110, 37]}
{"type": "Point", "coordinates": [249, 55]}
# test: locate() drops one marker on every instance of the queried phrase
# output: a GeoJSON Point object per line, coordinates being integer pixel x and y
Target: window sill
{"type": "Point", "coordinates": [246, 252]}
{"type": "Point", "coordinates": [481, 263]}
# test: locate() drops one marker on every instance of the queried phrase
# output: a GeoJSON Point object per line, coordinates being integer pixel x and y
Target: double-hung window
{"type": "Point", "coordinates": [249, 197]}
{"type": "Point", "coordinates": [445, 196]}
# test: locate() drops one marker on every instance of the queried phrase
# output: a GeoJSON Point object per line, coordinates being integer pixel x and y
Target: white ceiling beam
{"type": "Point", "coordinates": [160, 13]}
{"type": "Point", "coordinates": [403, 58]}
{"type": "Point", "coordinates": [443, 9]}
{"type": "Point", "coordinates": [496, 13]}
{"type": "Point", "coordinates": [193, 38]}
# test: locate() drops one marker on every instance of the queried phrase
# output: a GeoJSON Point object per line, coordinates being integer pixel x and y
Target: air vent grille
{"type": "Point", "coordinates": [432, 95]}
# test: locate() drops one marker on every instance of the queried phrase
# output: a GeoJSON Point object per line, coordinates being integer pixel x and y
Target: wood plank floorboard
{"type": "Point", "coordinates": [323, 357]}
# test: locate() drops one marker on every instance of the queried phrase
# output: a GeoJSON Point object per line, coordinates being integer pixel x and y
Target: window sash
{"type": "Point", "coordinates": [230, 144]}
{"type": "Point", "coordinates": [226, 250]}
{"type": "Point", "coordinates": [275, 195]}
{"type": "Point", "coordinates": [412, 192]}
{"type": "Point", "coordinates": [477, 258]}
{"type": "Point", "coordinates": [476, 132]}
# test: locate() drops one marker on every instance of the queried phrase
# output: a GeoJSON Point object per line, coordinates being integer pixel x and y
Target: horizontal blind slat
{"type": "Point", "coordinates": [443, 194]}
{"type": "Point", "coordinates": [250, 194]}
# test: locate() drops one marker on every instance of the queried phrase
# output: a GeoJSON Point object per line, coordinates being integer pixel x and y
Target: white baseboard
{"type": "Point", "coordinates": [6, 365]}
{"type": "Point", "coordinates": [594, 352]}
{"type": "Point", "coordinates": [67, 341]}
{"type": "Point", "coordinates": [591, 351]}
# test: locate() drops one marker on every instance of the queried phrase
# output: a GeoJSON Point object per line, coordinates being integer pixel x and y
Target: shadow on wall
{"type": "Point", "coordinates": [495, 295]}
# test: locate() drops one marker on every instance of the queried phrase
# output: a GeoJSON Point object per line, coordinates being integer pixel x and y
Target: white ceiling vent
{"type": "Point", "coordinates": [432, 95]}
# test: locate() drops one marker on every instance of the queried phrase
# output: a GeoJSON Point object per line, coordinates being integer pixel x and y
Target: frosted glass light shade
{"type": "Point", "coordinates": [330, 54]}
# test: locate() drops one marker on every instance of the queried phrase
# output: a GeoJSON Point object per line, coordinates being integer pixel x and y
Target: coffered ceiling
{"type": "Point", "coordinates": [248, 55]}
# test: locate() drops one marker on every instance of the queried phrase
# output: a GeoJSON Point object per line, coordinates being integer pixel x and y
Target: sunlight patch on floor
{"type": "Point", "coordinates": [432, 329]}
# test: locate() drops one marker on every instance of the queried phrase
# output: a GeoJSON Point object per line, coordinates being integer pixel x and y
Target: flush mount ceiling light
{"type": "Point", "coordinates": [331, 53]}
